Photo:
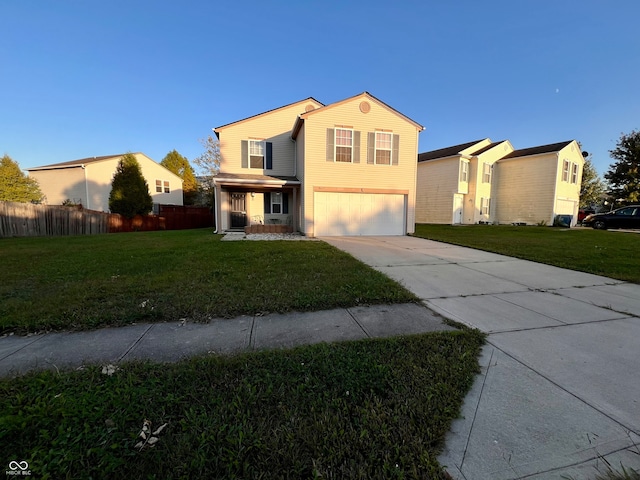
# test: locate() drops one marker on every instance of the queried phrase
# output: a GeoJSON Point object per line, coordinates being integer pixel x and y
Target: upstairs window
{"type": "Point", "coordinates": [464, 171]}
{"type": "Point", "coordinates": [166, 187]}
{"type": "Point", "coordinates": [486, 173]}
{"type": "Point", "coordinates": [344, 145]}
{"type": "Point", "coordinates": [256, 154]}
{"type": "Point", "coordinates": [158, 186]}
{"type": "Point", "coordinates": [574, 173]}
{"type": "Point", "coordinates": [566, 165]}
{"type": "Point", "coordinates": [383, 148]}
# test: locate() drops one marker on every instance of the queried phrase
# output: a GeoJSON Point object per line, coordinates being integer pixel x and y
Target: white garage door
{"type": "Point", "coordinates": [339, 214]}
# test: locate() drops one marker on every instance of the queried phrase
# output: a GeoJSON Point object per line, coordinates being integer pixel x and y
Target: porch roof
{"type": "Point", "coordinates": [253, 179]}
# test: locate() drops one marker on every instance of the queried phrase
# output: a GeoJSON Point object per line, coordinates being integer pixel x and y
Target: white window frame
{"type": "Point", "coordinates": [263, 147]}
{"type": "Point", "coordinates": [464, 171]}
{"type": "Point", "coordinates": [274, 203]}
{"type": "Point", "coordinates": [486, 172]}
{"type": "Point", "coordinates": [336, 146]}
{"type": "Point", "coordinates": [574, 173]}
{"type": "Point", "coordinates": [485, 206]}
{"type": "Point", "coordinates": [167, 187]}
{"type": "Point", "coordinates": [376, 148]}
{"type": "Point", "coordinates": [566, 168]}
{"type": "Point", "coordinates": [158, 186]}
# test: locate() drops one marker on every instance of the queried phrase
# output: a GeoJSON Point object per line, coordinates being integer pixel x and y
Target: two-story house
{"type": "Point", "coordinates": [490, 182]}
{"type": "Point", "coordinates": [347, 168]}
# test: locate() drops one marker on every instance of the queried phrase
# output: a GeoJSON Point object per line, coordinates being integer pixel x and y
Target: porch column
{"type": "Point", "coordinates": [295, 210]}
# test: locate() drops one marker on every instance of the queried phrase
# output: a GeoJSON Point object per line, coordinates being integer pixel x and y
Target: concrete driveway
{"type": "Point", "coordinates": [559, 391]}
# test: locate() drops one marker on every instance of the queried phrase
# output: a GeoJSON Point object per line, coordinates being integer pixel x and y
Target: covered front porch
{"type": "Point", "coordinates": [257, 203]}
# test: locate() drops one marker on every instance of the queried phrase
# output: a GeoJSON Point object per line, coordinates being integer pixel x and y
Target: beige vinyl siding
{"type": "Point", "coordinates": [437, 183]}
{"type": "Point", "coordinates": [61, 184]}
{"type": "Point", "coordinates": [525, 189]}
{"type": "Point", "coordinates": [274, 127]}
{"type": "Point", "coordinates": [321, 173]}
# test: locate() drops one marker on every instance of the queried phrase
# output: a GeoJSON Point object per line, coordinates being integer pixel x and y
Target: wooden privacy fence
{"type": "Point", "coordinates": [28, 220]}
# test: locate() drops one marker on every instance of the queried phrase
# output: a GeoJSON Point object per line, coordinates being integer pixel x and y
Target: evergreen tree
{"type": "Point", "coordinates": [176, 163]}
{"type": "Point", "coordinates": [15, 186]}
{"type": "Point", "coordinates": [624, 175]}
{"type": "Point", "coordinates": [129, 190]}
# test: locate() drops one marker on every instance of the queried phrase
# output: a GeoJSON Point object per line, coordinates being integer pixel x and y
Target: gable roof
{"type": "Point", "coordinates": [77, 163]}
{"type": "Point", "coordinates": [302, 117]}
{"type": "Point", "coordinates": [525, 152]}
{"type": "Point", "coordinates": [309, 99]}
{"type": "Point", "coordinates": [488, 147]}
{"type": "Point", "coordinates": [446, 152]}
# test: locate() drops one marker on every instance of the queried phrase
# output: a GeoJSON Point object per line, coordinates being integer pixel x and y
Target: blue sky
{"type": "Point", "coordinates": [85, 78]}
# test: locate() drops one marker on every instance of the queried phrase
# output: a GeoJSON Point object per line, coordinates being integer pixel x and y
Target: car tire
{"type": "Point", "coordinates": [599, 225]}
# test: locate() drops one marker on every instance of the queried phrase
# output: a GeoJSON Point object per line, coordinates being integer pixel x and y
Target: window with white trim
{"type": "Point", "coordinates": [256, 154]}
{"type": "Point", "coordinates": [344, 145]}
{"type": "Point", "coordinates": [276, 202]}
{"type": "Point", "coordinates": [574, 173]}
{"type": "Point", "coordinates": [158, 186]}
{"type": "Point", "coordinates": [384, 141]}
{"type": "Point", "coordinates": [486, 173]}
{"type": "Point", "coordinates": [566, 165]}
{"type": "Point", "coordinates": [464, 171]}
{"type": "Point", "coordinates": [484, 206]}
{"type": "Point", "coordinates": [166, 187]}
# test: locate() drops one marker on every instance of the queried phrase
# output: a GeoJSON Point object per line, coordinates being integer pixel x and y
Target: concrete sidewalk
{"type": "Point", "coordinates": [559, 392]}
{"type": "Point", "coordinates": [165, 342]}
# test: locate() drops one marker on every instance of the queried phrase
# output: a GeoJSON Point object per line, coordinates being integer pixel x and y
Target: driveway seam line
{"type": "Point", "coordinates": [24, 346]}
{"type": "Point", "coordinates": [475, 412]}
{"type": "Point", "coordinates": [135, 344]}
{"type": "Point", "coordinates": [618, 422]}
{"type": "Point", "coordinates": [357, 323]}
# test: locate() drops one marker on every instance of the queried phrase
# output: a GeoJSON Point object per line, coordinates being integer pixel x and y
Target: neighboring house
{"type": "Point", "coordinates": [454, 183]}
{"type": "Point", "coordinates": [536, 185]}
{"type": "Point", "coordinates": [88, 181]}
{"type": "Point", "coordinates": [490, 182]}
{"type": "Point", "coordinates": [348, 168]}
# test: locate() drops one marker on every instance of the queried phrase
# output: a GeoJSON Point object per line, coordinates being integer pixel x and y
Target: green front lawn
{"type": "Point", "coordinates": [609, 253]}
{"type": "Point", "coordinates": [90, 281]}
{"type": "Point", "coordinates": [367, 409]}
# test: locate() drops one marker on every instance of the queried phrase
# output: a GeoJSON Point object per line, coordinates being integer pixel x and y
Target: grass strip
{"type": "Point", "coordinates": [366, 409]}
{"type": "Point", "coordinates": [608, 253]}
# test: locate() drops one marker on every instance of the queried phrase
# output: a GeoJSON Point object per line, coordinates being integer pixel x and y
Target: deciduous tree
{"type": "Point", "coordinates": [180, 165]}
{"type": "Point", "coordinates": [208, 164]}
{"type": "Point", "coordinates": [592, 187]}
{"type": "Point", "coordinates": [129, 190]}
{"type": "Point", "coordinates": [624, 174]}
{"type": "Point", "coordinates": [15, 186]}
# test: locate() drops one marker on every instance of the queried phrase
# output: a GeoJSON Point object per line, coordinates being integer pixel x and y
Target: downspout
{"type": "Point", "coordinates": [86, 187]}
{"type": "Point", "coordinates": [295, 222]}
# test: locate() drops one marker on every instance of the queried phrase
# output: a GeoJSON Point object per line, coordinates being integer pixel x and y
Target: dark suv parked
{"type": "Point", "coordinates": [625, 217]}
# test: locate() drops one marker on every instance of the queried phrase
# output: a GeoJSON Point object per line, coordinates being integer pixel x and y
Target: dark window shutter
{"type": "Point", "coordinates": [371, 147]}
{"type": "Point", "coordinates": [285, 203]}
{"type": "Point", "coordinates": [244, 152]}
{"type": "Point", "coordinates": [267, 203]}
{"type": "Point", "coordinates": [269, 155]}
{"type": "Point", "coordinates": [356, 147]}
{"type": "Point", "coordinates": [395, 150]}
{"type": "Point", "coordinates": [330, 140]}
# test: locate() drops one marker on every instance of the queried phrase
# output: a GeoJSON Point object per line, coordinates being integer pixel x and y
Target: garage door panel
{"type": "Point", "coordinates": [353, 214]}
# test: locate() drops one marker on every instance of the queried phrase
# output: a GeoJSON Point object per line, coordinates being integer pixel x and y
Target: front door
{"type": "Point", "coordinates": [458, 202]}
{"type": "Point", "coordinates": [238, 210]}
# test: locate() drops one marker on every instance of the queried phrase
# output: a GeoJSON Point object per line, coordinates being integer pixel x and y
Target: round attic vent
{"type": "Point", "coordinates": [365, 107]}
{"type": "Point", "coordinates": [309, 107]}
